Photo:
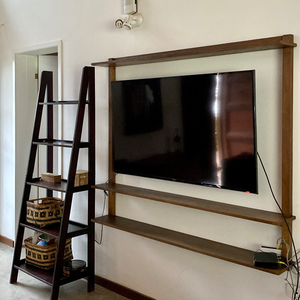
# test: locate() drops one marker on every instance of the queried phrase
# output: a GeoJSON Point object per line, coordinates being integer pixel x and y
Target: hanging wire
{"type": "Point", "coordinates": [105, 195]}
{"type": "Point", "coordinates": [114, 176]}
{"type": "Point", "coordinates": [295, 290]}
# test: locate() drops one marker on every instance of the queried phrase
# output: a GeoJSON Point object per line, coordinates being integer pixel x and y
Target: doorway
{"type": "Point", "coordinates": [29, 63]}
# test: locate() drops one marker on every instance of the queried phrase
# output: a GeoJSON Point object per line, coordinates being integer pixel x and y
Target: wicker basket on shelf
{"type": "Point", "coordinates": [44, 212]}
{"type": "Point", "coordinates": [44, 256]}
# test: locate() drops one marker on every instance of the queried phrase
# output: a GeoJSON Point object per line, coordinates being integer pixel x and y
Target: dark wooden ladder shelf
{"type": "Point", "coordinates": [67, 228]}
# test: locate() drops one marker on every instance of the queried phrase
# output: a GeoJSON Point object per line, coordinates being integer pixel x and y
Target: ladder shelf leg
{"type": "Point", "coordinates": [46, 85]}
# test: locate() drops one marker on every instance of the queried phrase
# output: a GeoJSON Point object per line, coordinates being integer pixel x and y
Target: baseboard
{"type": "Point", "coordinates": [6, 241]}
{"type": "Point", "coordinates": [120, 289]}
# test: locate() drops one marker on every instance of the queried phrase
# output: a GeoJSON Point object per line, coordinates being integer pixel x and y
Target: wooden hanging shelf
{"type": "Point", "coordinates": [226, 252]}
{"type": "Point", "coordinates": [197, 203]}
{"type": "Point", "coordinates": [271, 43]}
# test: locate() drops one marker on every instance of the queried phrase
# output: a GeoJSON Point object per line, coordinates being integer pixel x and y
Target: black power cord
{"type": "Point", "coordinates": [103, 209]}
{"type": "Point", "coordinates": [105, 196]}
{"type": "Point", "coordinates": [287, 225]}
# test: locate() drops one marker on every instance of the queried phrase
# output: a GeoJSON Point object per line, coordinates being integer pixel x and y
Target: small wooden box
{"type": "Point", "coordinates": [81, 177]}
{"type": "Point", "coordinates": [51, 177]}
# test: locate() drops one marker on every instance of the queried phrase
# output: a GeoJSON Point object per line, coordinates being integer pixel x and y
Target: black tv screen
{"type": "Point", "coordinates": [197, 129]}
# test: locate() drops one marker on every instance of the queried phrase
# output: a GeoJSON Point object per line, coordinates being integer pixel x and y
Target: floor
{"type": "Point", "coordinates": [32, 289]}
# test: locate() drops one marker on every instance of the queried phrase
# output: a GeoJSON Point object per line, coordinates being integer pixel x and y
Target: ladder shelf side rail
{"type": "Point", "coordinates": [71, 181]}
{"type": "Point", "coordinates": [46, 82]}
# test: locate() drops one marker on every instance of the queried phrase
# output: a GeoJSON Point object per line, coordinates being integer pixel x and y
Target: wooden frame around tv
{"type": "Point", "coordinates": [240, 256]}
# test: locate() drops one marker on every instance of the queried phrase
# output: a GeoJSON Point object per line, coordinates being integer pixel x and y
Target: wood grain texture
{"type": "Point", "coordinates": [286, 43]}
{"type": "Point", "coordinates": [197, 203]}
{"type": "Point", "coordinates": [203, 246]}
{"type": "Point", "coordinates": [277, 42]}
{"type": "Point", "coordinates": [111, 174]}
{"type": "Point", "coordinates": [6, 241]}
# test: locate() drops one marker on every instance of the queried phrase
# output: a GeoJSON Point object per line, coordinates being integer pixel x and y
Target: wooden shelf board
{"type": "Point", "coordinates": [277, 42]}
{"type": "Point", "coordinates": [74, 229]}
{"type": "Point", "coordinates": [207, 247]}
{"type": "Point", "coordinates": [47, 276]}
{"type": "Point", "coordinates": [197, 203]}
{"type": "Point", "coordinates": [65, 102]}
{"type": "Point", "coordinates": [42, 275]}
{"type": "Point", "coordinates": [59, 143]}
{"type": "Point", "coordinates": [55, 186]}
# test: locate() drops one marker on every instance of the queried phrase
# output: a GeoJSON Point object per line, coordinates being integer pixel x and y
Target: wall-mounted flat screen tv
{"type": "Point", "coordinates": [197, 129]}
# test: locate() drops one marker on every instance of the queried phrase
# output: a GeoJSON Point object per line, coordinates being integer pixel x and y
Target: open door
{"type": "Point", "coordinates": [29, 64]}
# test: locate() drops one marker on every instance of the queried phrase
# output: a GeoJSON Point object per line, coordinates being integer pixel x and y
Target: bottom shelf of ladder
{"type": "Point", "coordinates": [47, 276]}
{"type": "Point", "coordinates": [207, 247]}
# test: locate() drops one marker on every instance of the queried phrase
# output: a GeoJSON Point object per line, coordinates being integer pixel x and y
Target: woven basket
{"type": "Point", "coordinates": [44, 257]}
{"type": "Point", "coordinates": [44, 211]}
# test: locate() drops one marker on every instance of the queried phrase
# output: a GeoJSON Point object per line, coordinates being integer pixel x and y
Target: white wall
{"type": "Point", "coordinates": [25, 88]}
{"type": "Point", "coordinates": [7, 162]}
{"type": "Point", "coordinates": [88, 34]}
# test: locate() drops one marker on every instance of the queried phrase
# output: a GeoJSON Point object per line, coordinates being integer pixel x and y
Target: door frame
{"type": "Point", "coordinates": [33, 50]}
{"type": "Point", "coordinates": [42, 49]}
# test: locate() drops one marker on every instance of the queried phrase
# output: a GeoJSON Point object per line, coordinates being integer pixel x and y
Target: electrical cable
{"type": "Point", "coordinates": [291, 282]}
{"type": "Point", "coordinates": [295, 292]}
{"type": "Point", "coordinates": [101, 230]}
{"type": "Point", "coordinates": [104, 201]}
{"type": "Point", "coordinates": [287, 247]}
{"type": "Point", "coordinates": [108, 180]}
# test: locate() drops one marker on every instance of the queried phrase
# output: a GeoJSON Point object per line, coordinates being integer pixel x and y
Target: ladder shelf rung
{"type": "Point", "coordinates": [42, 275]}
{"type": "Point", "coordinates": [56, 186]}
{"type": "Point", "coordinates": [65, 102]}
{"type": "Point", "coordinates": [59, 143]}
{"type": "Point", "coordinates": [47, 276]}
{"type": "Point", "coordinates": [74, 229]}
